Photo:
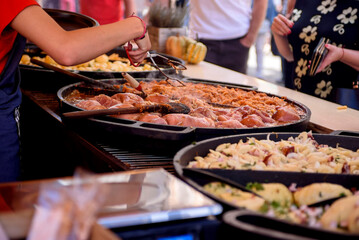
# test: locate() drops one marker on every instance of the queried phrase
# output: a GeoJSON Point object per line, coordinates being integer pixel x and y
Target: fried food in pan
{"type": "Point", "coordinates": [235, 196]}
{"type": "Point", "coordinates": [319, 192]}
{"type": "Point", "coordinates": [271, 192]}
{"type": "Point", "coordinates": [353, 221]}
{"type": "Point", "coordinates": [337, 216]}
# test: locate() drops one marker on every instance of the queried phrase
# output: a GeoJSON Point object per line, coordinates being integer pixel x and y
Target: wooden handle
{"type": "Point", "coordinates": [100, 112]}
{"type": "Point", "coordinates": [113, 111]}
{"type": "Point", "coordinates": [161, 108]}
{"type": "Point", "coordinates": [75, 75]}
{"type": "Point", "coordinates": [133, 82]}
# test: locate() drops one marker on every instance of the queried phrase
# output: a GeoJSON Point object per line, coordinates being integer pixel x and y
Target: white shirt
{"type": "Point", "coordinates": [219, 19]}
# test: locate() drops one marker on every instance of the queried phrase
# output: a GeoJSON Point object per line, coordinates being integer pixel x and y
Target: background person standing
{"type": "Point", "coordinates": [107, 11]}
{"type": "Point", "coordinates": [298, 34]}
{"type": "Point", "coordinates": [228, 29]}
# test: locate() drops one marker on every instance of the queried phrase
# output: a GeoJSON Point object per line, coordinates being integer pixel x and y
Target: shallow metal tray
{"type": "Point", "coordinates": [135, 198]}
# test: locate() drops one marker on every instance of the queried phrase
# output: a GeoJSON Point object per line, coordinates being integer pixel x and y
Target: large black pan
{"type": "Point", "coordinates": [71, 20]}
{"type": "Point", "coordinates": [169, 138]}
{"type": "Point", "coordinates": [248, 221]}
{"type": "Point", "coordinates": [34, 76]}
{"type": "Point", "coordinates": [187, 154]}
{"type": "Point", "coordinates": [182, 135]}
{"type": "Point", "coordinates": [253, 225]}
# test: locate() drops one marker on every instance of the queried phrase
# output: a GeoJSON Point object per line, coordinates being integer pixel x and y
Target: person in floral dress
{"type": "Point", "coordinates": [298, 34]}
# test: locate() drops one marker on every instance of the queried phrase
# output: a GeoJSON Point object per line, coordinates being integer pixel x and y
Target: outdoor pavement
{"type": "Point", "coordinates": [272, 71]}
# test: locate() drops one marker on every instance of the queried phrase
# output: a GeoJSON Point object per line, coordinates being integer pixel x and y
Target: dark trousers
{"type": "Point", "coordinates": [346, 96]}
{"type": "Point", "coordinates": [9, 145]}
{"type": "Point", "coordinates": [227, 53]}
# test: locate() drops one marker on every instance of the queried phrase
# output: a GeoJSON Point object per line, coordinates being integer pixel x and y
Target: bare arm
{"type": "Point", "coordinates": [130, 7]}
{"type": "Point", "coordinates": [258, 15]}
{"type": "Point", "coordinates": [347, 56]}
{"type": "Point", "coordinates": [290, 7]}
{"type": "Point", "coordinates": [281, 28]}
{"type": "Point", "coordinates": [78, 46]}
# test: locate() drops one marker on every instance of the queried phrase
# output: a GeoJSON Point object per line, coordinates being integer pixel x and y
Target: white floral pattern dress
{"type": "Point", "coordinates": [337, 20]}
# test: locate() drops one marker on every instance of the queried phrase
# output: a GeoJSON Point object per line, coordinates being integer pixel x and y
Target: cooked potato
{"type": "Point", "coordinates": [49, 60]}
{"type": "Point", "coordinates": [102, 58]}
{"type": "Point", "coordinates": [274, 192]}
{"type": "Point", "coordinates": [353, 221]}
{"type": "Point", "coordinates": [101, 63]}
{"type": "Point", "coordinates": [339, 212]}
{"type": "Point", "coordinates": [235, 196]}
{"type": "Point", "coordinates": [318, 192]}
{"type": "Point", "coordinates": [25, 59]}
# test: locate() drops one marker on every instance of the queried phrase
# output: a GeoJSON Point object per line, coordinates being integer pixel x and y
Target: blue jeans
{"type": "Point", "coordinates": [9, 145]}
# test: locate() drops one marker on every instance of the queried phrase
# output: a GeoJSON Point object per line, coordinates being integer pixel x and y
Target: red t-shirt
{"type": "Point", "coordinates": [104, 11]}
{"type": "Point", "coordinates": [9, 9]}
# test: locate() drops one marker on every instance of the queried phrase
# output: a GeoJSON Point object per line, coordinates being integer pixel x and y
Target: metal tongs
{"type": "Point", "coordinates": [174, 64]}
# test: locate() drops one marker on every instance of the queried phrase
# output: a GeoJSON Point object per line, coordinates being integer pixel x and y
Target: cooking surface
{"type": "Point", "coordinates": [169, 138]}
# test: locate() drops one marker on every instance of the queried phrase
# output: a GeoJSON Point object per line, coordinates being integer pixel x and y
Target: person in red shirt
{"type": "Point", "coordinates": [107, 11]}
{"type": "Point", "coordinates": [25, 19]}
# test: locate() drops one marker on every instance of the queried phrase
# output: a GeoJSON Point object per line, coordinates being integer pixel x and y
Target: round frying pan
{"type": "Point", "coordinates": [168, 132]}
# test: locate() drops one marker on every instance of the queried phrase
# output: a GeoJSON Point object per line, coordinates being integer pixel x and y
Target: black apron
{"type": "Point", "coordinates": [10, 99]}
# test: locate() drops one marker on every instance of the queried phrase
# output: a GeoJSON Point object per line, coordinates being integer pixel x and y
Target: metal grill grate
{"type": "Point", "coordinates": [137, 160]}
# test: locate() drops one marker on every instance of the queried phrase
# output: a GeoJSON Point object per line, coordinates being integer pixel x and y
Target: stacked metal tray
{"type": "Point", "coordinates": [35, 77]}
{"type": "Point", "coordinates": [134, 198]}
{"type": "Point", "coordinates": [254, 224]}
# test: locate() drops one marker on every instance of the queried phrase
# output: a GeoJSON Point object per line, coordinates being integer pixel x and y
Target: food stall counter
{"type": "Point", "coordinates": [326, 116]}
{"type": "Point", "coordinates": [52, 148]}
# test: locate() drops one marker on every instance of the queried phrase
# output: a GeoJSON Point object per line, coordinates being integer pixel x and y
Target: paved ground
{"type": "Point", "coordinates": [272, 71]}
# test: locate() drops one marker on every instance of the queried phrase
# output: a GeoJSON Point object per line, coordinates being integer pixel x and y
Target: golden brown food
{"type": "Point", "coordinates": [319, 192]}
{"type": "Point", "coordinates": [342, 215]}
{"type": "Point", "coordinates": [353, 221]}
{"type": "Point", "coordinates": [337, 216]}
{"type": "Point", "coordinates": [274, 192]}
{"type": "Point", "coordinates": [112, 63]}
{"type": "Point", "coordinates": [235, 196]}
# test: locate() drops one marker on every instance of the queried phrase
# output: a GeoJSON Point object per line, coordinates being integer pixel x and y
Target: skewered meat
{"type": "Point", "coordinates": [285, 114]}
{"type": "Point", "coordinates": [129, 98]}
{"type": "Point", "coordinates": [105, 100]}
{"type": "Point", "coordinates": [229, 124]}
{"type": "Point", "coordinates": [152, 118]}
{"type": "Point", "coordinates": [204, 112]}
{"type": "Point", "coordinates": [130, 116]}
{"type": "Point", "coordinates": [188, 121]}
{"type": "Point", "coordinates": [193, 102]}
{"type": "Point", "coordinates": [247, 108]}
{"type": "Point", "coordinates": [90, 105]}
{"type": "Point", "coordinates": [252, 121]}
{"type": "Point", "coordinates": [158, 98]}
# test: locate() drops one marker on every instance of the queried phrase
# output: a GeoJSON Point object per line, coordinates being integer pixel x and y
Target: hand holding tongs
{"type": "Point", "coordinates": [174, 64]}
